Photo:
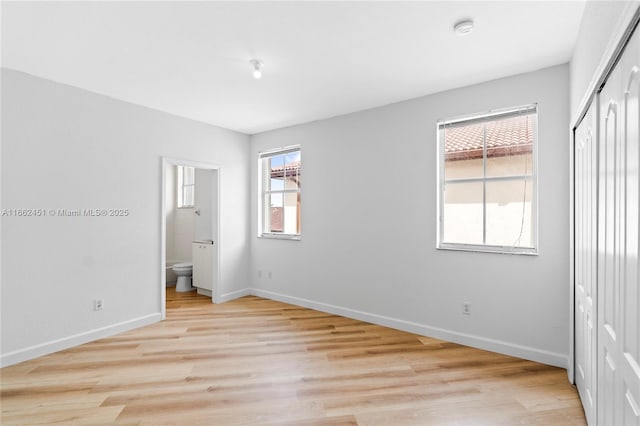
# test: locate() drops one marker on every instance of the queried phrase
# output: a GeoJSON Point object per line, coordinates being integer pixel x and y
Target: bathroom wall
{"type": "Point", "coordinates": [64, 149]}
{"type": "Point", "coordinates": [170, 211]}
{"type": "Point", "coordinates": [183, 225]}
{"type": "Point", "coordinates": [170, 215]}
{"type": "Point", "coordinates": [206, 203]}
{"type": "Point", "coordinates": [183, 229]}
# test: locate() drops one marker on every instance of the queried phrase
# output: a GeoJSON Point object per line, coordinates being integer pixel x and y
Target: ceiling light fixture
{"type": "Point", "coordinates": [463, 28]}
{"type": "Point", "coordinates": [257, 68]}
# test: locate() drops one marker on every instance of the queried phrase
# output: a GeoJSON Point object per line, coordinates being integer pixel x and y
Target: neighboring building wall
{"type": "Point", "coordinates": [291, 207]}
{"type": "Point", "coordinates": [504, 203]}
{"type": "Point", "coordinates": [374, 257]}
{"type": "Point", "coordinates": [64, 147]}
{"type": "Point", "coordinates": [286, 218]}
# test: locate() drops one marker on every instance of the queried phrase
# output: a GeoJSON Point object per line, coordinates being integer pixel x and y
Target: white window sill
{"type": "Point", "coordinates": [488, 249]}
{"type": "Point", "coordinates": [290, 237]}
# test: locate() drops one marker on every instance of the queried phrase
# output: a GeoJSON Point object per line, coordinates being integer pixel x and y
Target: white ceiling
{"type": "Point", "coordinates": [321, 59]}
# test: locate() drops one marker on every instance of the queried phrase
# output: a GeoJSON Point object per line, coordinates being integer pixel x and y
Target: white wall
{"type": "Point", "coordinates": [369, 225]}
{"type": "Point", "coordinates": [63, 147]}
{"type": "Point", "coordinates": [600, 30]}
{"type": "Point", "coordinates": [205, 193]}
{"type": "Point", "coordinates": [170, 196]}
{"type": "Point", "coordinates": [183, 234]}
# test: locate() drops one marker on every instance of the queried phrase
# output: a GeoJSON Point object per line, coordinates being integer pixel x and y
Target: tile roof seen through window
{"type": "Point", "coordinates": [291, 169]}
{"type": "Point", "coordinates": [508, 136]}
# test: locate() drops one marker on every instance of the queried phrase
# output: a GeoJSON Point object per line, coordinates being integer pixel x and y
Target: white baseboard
{"type": "Point", "coordinates": [77, 339]}
{"type": "Point", "coordinates": [533, 354]}
{"type": "Point", "coordinates": [203, 291]}
{"type": "Point", "coordinates": [525, 352]}
{"type": "Point", "coordinates": [234, 295]}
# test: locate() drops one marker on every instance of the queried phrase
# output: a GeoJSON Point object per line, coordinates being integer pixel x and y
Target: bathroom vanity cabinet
{"type": "Point", "coordinates": [204, 260]}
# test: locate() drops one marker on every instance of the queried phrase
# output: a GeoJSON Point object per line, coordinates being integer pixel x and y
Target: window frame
{"type": "Point", "coordinates": [262, 156]}
{"type": "Point", "coordinates": [181, 187]}
{"type": "Point", "coordinates": [441, 182]}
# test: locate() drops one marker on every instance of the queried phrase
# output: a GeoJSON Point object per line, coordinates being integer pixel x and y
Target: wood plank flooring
{"type": "Point", "coordinates": [256, 361]}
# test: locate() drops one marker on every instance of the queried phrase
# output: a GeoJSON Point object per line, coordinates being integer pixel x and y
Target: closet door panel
{"type": "Point", "coordinates": [585, 183]}
{"type": "Point", "coordinates": [629, 206]}
{"type": "Point", "coordinates": [609, 265]}
{"type": "Point", "coordinates": [618, 243]}
{"type": "Point", "coordinates": [580, 339]}
{"type": "Point", "coordinates": [591, 286]}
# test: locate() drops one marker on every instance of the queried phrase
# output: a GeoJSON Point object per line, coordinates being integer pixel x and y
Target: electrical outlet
{"type": "Point", "coordinates": [269, 274]}
{"type": "Point", "coordinates": [466, 308]}
{"type": "Point", "coordinates": [97, 304]}
{"type": "Point", "coordinates": [259, 273]}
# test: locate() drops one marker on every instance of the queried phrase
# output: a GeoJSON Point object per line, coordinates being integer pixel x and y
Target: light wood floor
{"type": "Point", "coordinates": [256, 361]}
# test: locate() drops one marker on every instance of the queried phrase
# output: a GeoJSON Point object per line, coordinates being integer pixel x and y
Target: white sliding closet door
{"type": "Point", "coordinates": [618, 295]}
{"type": "Point", "coordinates": [608, 277]}
{"type": "Point", "coordinates": [629, 246]}
{"type": "Point", "coordinates": [585, 222]}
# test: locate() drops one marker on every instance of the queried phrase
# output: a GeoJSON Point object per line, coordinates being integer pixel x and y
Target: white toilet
{"type": "Point", "coordinates": [183, 271]}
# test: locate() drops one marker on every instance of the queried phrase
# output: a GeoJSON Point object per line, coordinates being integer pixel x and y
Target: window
{"type": "Point", "coordinates": [487, 182]}
{"type": "Point", "coordinates": [280, 173]}
{"type": "Point", "coordinates": [186, 187]}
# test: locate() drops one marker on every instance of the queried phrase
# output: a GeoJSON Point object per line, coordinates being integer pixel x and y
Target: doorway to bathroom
{"type": "Point", "coordinates": [190, 219]}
